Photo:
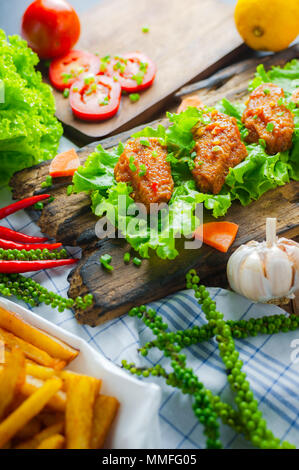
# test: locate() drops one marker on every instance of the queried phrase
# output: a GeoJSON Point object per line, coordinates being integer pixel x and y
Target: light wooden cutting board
{"type": "Point", "coordinates": [187, 39]}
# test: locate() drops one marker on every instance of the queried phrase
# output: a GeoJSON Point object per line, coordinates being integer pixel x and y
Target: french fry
{"type": "Point", "coordinates": [29, 430]}
{"type": "Point", "coordinates": [53, 346]}
{"type": "Point", "coordinates": [30, 408]}
{"type": "Point", "coordinates": [105, 410]}
{"type": "Point", "coordinates": [81, 394]}
{"type": "Point", "coordinates": [30, 351]}
{"type": "Point", "coordinates": [11, 376]}
{"type": "Point", "coordinates": [53, 442]}
{"type": "Point", "coordinates": [31, 385]}
{"type": "Point", "coordinates": [49, 417]}
{"type": "Point", "coordinates": [40, 372]}
{"type": "Point", "coordinates": [41, 436]}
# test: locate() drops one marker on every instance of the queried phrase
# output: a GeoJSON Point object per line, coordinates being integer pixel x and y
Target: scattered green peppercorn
{"type": "Point", "coordinates": [66, 92]}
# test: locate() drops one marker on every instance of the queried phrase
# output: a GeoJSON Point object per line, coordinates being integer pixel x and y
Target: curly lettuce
{"type": "Point", "coordinates": [29, 131]}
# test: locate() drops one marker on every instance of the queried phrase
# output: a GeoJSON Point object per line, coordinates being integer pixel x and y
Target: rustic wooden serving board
{"type": "Point", "coordinates": [69, 220]}
{"type": "Point", "coordinates": [186, 40]}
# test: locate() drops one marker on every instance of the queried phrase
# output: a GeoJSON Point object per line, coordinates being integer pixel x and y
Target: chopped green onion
{"type": "Point", "coordinates": [255, 116]}
{"type": "Point", "coordinates": [66, 92]}
{"type": "Point", "coordinates": [127, 257]}
{"type": "Point", "coordinates": [88, 80]}
{"type": "Point", "coordinates": [270, 126]}
{"type": "Point", "coordinates": [134, 97]}
{"type": "Point", "coordinates": [154, 153]}
{"type": "Point", "coordinates": [38, 206]}
{"type": "Point", "coordinates": [143, 169]}
{"type": "Point", "coordinates": [47, 183]}
{"type": "Point", "coordinates": [137, 261]}
{"type": "Point", "coordinates": [104, 102]}
{"type": "Point", "coordinates": [262, 142]}
{"type": "Point", "coordinates": [145, 29]}
{"type": "Point", "coordinates": [66, 76]}
{"type": "Point", "coordinates": [132, 165]}
{"type": "Point", "coordinates": [138, 78]}
{"type": "Point", "coordinates": [105, 261]}
{"type": "Point", "coordinates": [145, 142]}
{"type": "Point", "coordinates": [266, 91]}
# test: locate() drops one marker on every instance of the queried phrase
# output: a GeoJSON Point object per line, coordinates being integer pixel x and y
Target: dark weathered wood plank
{"type": "Point", "coordinates": [69, 220]}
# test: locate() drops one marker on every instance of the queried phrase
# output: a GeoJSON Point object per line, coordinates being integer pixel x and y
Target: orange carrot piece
{"type": "Point", "coordinates": [64, 164]}
{"type": "Point", "coordinates": [193, 101]}
{"type": "Point", "coordinates": [219, 235]}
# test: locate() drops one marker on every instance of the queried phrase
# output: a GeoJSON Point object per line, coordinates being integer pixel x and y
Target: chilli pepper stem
{"type": "Point", "coordinates": [16, 206]}
{"type": "Point", "coordinates": [10, 245]}
{"type": "Point", "coordinates": [28, 266]}
{"type": "Point", "coordinates": [9, 234]}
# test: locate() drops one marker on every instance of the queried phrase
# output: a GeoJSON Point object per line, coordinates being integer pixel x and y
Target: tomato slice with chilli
{"type": "Point", "coordinates": [64, 71]}
{"type": "Point", "coordinates": [133, 71]}
{"type": "Point", "coordinates": [95, 97]}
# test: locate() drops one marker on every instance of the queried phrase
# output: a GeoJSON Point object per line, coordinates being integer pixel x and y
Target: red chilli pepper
{"type": "Point", "coordinates": [154, 186]}
{"type": "Point", "coordinates": [28, 266]}
{"type": "Point", "coordinates": [9, 234]}
{"type": "Point", "coordinates": [16, 206]}
{"type": "Point", "coordinates": [9, 245]}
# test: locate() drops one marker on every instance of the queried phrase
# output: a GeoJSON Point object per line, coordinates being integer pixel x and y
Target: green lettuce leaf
{"type": "Point", "coordinates": [98, 170]}
{"type": "Point", "coordinates": [29, 131]}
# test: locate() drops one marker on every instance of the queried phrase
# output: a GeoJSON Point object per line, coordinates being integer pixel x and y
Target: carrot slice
{"type": "Point", "coordinates": [193, 101]}
{"type": "Point", "coordinates": [219, 235]}
{"type": "Point", "coordinates": [64, 164]}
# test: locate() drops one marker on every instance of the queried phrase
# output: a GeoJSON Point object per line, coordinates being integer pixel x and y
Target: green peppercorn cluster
{"type": "Point", "coordinates": [208, 408]}
{"type": "Point", "coordinates": [32, 255]}
{"type": "Point", "coordinates": [33, 293]}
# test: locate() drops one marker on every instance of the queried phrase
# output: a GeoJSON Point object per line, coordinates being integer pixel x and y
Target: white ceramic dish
{"type": "Point", "coordinates": [137, 422]}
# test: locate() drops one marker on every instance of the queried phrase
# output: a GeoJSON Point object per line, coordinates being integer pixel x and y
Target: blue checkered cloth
{"type": "Point", "coordinates": [270, 366]}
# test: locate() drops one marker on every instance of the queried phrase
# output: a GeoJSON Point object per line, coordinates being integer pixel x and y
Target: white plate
{"type": "Point", "coordinates": [137, 423]}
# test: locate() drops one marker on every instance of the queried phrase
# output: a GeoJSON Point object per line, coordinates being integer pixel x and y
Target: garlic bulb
{"type": "Point", "coordinates": [265, 271]}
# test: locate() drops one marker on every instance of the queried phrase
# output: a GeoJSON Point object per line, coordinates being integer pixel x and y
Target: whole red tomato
{"type": "Point", "coordinates": [51, 27]}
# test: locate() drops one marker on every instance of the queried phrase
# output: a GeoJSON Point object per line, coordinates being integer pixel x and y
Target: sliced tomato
{"type": "Point", "coordinates": [64, 71]}
{"type": "Point", "coordinates": [95, 97]}
{"type": "Point", "coordinates": [134, 71]}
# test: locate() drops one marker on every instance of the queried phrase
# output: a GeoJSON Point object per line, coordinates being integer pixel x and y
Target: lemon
{"type": "Point", "coordinates": [269, 25]}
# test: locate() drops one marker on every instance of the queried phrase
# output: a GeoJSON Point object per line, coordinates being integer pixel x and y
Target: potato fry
{"type": "Point", "coordinates": [30, 408]}
{"type": "Point", "coordinates": [30, 351]}
{"type": "Point", "coordinates": [53, 346]}
{"type": "Point", "coordinates": [40, 372]}
{"type": "Point", "coordinates": [49, 417]}
{"type": "Point", "coordinates": [12, 375]}
{"type": "Point", "coordinates": [81, 394]}
{"type": "Point", "coordinates": [29, 430]}
{"type": "Point", "coordinates": [105, 409]}
{"type": "Point", "coordinates": [31, 385]}
{"type": "Point", "coordinates": [53, 442]}
{"type": "Point", "coordinates": [41, 436]}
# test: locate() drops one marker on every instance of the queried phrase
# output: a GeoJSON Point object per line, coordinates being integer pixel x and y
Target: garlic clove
{"type": "Point", "coordinates": [278, 271]}
{"type": "Point", "coordinates": [251, 278]}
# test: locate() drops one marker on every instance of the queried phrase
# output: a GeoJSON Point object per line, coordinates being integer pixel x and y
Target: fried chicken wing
{"type": "Point", "coordinates": [143, 165]}
{"type": "Point", "coordinates": [267, 118]}
{"type": "Point", "coordinates": [218, 148]}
